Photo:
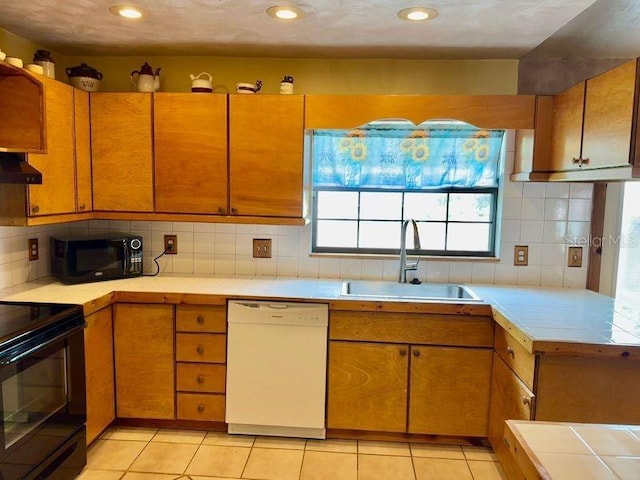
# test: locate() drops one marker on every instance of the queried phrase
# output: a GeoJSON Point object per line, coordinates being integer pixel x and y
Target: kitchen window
{"type": "Point", "coordinates": [367, 181]}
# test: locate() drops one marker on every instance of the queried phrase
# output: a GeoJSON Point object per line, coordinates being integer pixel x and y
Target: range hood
{"type": "Point", "coordinates": [15, 169]}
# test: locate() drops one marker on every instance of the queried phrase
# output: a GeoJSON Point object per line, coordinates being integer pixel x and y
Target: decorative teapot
{"type": "Point", "coordinates": [147, 81]}
{"type": "Point", "coordinates": [202, 85]}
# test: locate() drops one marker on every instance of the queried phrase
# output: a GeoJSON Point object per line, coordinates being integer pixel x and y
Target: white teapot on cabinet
{"type": "Point", "coordinates": [201, 85]}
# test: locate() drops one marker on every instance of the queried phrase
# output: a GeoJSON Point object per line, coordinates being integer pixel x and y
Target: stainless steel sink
{"type": "Point", "coordinates": [423, 291]}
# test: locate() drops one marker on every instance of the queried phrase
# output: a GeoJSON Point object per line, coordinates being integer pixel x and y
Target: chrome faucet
{"type": "Point", "coordinates": [404, 266]}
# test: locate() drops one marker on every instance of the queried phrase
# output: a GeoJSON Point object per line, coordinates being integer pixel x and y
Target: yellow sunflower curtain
{"type": "Point", "coordinates": [412, 158]}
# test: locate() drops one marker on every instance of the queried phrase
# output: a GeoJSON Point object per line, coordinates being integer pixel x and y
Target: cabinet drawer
{"type": "Point", "coordinates": [198, 406]}
{"type": "Point", "coordinates": [201, 318]}
{"type": "Point", "coordinates": [510, 400]}
{"type": "Point", "coordinates": [201, 347]}
{"type": "Point", "coordinates": [515, 355]}
{"type": "Point", "coordinates": [200, 377]}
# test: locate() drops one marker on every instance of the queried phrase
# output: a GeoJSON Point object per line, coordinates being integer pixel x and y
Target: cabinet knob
{"type": "Point", "coordinates": [200, 379]}
{"type": "Point", "coordinates": [234, 211]}
{"type": "Point", "coordinates": [35, 209]}
{"type": "Point", "coordinates": [200, 349]}
{"type": "Point", "coordinates": [584, 161]}
{"type": "Point", "coordinates": [511, 352]}
{"type": "Point", "coordinates": [200, 319]}
{"type": "Point", "coordinates": [403, 352]}
{"type": "Point", "coordinates": [222, 210]}
{"type": "Point", "coordinates": [575, 161]}
{"type": "Point", "coordinates": [81, 207]}
{"type": "Point", "coordinates": [201, 407]}
{"type": "Point", "coordinates": [416, 353]}
{"type": "Point", "coordinates": [526, 401]}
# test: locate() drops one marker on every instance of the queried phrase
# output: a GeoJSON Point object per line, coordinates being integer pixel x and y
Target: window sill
{"type": "Point", "coordinates": [425, 258]}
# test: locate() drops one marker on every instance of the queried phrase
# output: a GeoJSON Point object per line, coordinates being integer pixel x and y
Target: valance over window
{"type": "Point", "coordinates": [395, 155]}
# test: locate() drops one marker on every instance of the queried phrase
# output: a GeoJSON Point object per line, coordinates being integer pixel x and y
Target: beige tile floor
{"type": "Point", "coordinates": [156, 454]}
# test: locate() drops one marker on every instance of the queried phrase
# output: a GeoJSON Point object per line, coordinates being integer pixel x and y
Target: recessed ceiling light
{"type": "Point", "coordinates": [417, 14]}
{"type": "Point", "coordinates": [284, 13]}
{"type": "Point", "coordinates": [126, 11]}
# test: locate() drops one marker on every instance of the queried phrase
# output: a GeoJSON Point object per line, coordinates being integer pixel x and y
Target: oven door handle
{"type": "Point", "coordinates": [25, 353]}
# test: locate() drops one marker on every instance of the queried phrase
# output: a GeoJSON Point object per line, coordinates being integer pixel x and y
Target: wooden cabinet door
{"type": "Point", "coordinates": [57, 194]}
{"type": "Point", "coordinates": [98, 360]}
{"type": "Point", "coordinates": [609, 117]}
{"type": "Point", "coordinates": [82, 130]}
{"type": "Point", "coordinates": [266, 135]}
{"type": "Point", "coordinates": [144, 346]}
{"type": "Point", "coordinates": [566, 132]}
{"type": "Point", "coordinates": [449, 390]}
{"type": "Point", "coordinates": [121, 150]}
{"type": "Point", "coordinates": [190, 138]}
{"type": "Point", "coordinates": [367, 387]}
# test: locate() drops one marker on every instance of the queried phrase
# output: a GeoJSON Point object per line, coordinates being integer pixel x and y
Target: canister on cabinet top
{"type": "Point", "coordinates": [286, 85]}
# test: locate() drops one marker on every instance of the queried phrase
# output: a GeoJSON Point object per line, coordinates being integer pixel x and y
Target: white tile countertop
{"type": "Point", "coordinates": [543, 319]}
{"type": "Point", "coordinates": [570, 451]}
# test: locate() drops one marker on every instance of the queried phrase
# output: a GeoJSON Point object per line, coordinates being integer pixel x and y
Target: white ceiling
{"type": "Point", "coordinates": [330, 28]}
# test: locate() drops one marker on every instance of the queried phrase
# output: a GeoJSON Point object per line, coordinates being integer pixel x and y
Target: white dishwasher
{"type": "Point", "coordinates": [276, 368]}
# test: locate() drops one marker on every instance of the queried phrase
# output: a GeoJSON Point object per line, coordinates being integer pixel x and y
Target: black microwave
{"type": "Point", "coordinates": [92, 260]}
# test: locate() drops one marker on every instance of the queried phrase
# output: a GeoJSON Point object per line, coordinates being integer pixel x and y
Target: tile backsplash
{"type": "Point", "coordinates": [548, 217]}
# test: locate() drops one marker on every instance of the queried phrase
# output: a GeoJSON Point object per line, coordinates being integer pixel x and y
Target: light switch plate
{"type": "Point", "coordinates": [521, 255]}
{"type": "Point", "coordinates": [575, 257]}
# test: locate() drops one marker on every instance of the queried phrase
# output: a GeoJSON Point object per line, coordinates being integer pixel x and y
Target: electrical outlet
{"type": "Point", "coordinates": [33, 249]}
{"type": "Point", "coordinates": [521, 255]}
{"type": "Point", "coordinates": [261, 248]}
{"type": "Point", "coordinates": [575, 257]}
{"type": "Point", "coordinates": [171, 244]}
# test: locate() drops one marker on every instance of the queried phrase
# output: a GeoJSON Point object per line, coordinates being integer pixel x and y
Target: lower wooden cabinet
{"type": "Point", "coordinates": [449, 390]}
{"type": "Point", "coordinates": [98, 359]}
{"type": "Point", "coordinates": [144, 364]}
{"type": "Point", "coordinates": [409, 388]}
{"type": "Point", "coordinates": [201, 362]}
{"type": "Point", "coordinates": [367, 387]}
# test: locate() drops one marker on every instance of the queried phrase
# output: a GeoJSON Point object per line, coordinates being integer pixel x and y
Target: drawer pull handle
{"type": "Point", "coordinates": [416, 353]}
{"type": "Point", "coordinates": [526, 401]}
{"type": "Point", "coordinates": [403, 352]}
{"type": "Point", "coordinates": [200, 349]}
{"type": "Point", "coordinates": [201, 407]}
{"type": "Point", "coordinates": [200, 319]}
{"type": "Point", "coordinates": [200, 379]}
{"type": "Point", "coordinates": [511, 352]}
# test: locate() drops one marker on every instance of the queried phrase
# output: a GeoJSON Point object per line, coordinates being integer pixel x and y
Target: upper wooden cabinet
{"type": "Point", "coordinates": [122, 152]}
{"type": "Point", "coordinates": [57, 194]}
{"type": "Point", "coordinates": [566, 134]}
{"type": "Point", "coordinates": [22, 122]}
{"type": "Point", "coordinates": [486, 111]}
{"type": "Point", "coordinates": [610, 119]}
{"type": "Point", "coordinates": [190, 139]}
{"type": "Point", "coordinates": [593, 129]}
{"type": "Point", "coordinates": [266, 135]}
{"type": "Point", "coordinates": [82, 128]}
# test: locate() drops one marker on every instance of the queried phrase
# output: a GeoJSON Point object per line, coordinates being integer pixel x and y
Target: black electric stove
{"type": "Point", "coordinates": [42, 391]}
